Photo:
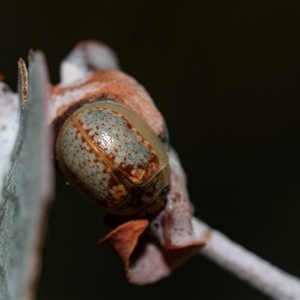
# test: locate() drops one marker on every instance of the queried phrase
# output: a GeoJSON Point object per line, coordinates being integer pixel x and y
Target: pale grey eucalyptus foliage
{"type": "Point", "coordinates": [26, 191]}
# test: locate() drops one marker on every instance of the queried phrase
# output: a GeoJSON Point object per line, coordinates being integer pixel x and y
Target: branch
{"type": "Point", "coordinates": [247, 266]}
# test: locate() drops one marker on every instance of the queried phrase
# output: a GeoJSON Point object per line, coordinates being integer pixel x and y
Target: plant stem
{"type": "Point", "coordinates": [247, 266]}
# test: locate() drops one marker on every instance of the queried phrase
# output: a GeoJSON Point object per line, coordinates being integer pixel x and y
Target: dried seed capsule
{"type": "Point", "coordinates": [114, 158]}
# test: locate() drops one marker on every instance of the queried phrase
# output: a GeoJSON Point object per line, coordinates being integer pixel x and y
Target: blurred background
{"type": "Point", "coordinates": [225, 75]}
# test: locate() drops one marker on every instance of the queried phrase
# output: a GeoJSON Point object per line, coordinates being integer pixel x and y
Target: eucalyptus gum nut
{"type": "Point", "coordinates": [114, 158]}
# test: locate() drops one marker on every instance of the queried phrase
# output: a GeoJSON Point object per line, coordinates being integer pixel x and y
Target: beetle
{"type": "Point", "coordinates": [112, 156]}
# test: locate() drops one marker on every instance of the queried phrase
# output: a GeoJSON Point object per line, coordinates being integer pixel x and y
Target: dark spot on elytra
{"type": "Point", "coordinates": [105, 170]}
{"type": "Point", "coordinates": [111, 157]}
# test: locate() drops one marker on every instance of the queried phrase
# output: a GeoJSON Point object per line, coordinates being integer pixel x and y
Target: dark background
{"type": "Point", "coordinates": [226, 77]}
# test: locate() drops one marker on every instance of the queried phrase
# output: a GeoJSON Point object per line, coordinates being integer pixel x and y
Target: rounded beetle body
{"type": "Point", "coordinates": [114, 158]}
